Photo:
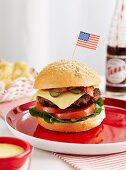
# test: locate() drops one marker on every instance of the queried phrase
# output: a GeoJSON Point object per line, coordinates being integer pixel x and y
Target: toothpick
{"type": "Point", "coordinates": [74, 52]}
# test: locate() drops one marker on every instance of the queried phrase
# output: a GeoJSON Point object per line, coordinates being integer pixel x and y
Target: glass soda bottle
{"type": "Point", "coordinates": [116, 52]}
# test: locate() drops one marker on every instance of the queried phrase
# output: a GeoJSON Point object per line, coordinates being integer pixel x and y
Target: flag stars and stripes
{"type": "Point", "coordinates": [87, 40]}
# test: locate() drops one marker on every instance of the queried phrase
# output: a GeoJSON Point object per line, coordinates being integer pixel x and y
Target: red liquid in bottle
{"type": "Point", "coordinates": [116, 70]}
{"type": "Point", "coordinates": [116, 52]}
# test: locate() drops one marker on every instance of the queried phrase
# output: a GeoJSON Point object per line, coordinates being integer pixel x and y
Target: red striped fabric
{"type": "Point", "coordinates": [105, 162]}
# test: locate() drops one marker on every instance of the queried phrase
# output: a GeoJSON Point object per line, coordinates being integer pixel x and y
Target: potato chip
{"type": "Point", "coordinates": [21, 69]}
{"type": "Point", "coordinates": [5, 70]}
{"type": "Point", "coordinates": [11, 71]}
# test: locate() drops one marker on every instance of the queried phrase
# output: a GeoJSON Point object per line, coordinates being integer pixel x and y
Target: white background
{"type": "Point", "coordinates": [41, 31]}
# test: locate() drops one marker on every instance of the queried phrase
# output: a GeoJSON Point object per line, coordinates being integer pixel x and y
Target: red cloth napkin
{"type": "Point", "coordinates": [104, 162]}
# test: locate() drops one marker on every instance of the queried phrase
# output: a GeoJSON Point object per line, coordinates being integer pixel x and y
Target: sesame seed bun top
{"type": "Point", "coordinates": [66, 73]}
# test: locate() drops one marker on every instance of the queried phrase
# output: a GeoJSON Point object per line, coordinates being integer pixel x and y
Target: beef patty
{"type": "Point", "coordinates": [82, 101]}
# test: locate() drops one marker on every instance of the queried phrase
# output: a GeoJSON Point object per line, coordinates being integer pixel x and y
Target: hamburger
{"type": "Point", "coordinates": [68, 97]}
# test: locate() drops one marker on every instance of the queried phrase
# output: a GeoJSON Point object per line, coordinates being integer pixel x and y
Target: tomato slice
{"type": "Point", "coordinates": [48, 109]}
{"type": "Point", "coordinates": [66, 113]}
{"type": "Point", "coordinates": [78, 113]}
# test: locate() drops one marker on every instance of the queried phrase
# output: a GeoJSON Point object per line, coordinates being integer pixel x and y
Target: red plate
{"type": "Point", "coordinates": [112, 129]}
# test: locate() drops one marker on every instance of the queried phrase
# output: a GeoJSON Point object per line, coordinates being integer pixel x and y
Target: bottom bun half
{"type": "Point", "coordinates": [73, 127]}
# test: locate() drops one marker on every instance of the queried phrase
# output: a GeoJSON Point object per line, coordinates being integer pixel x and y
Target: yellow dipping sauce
{"type": "Point", "coordinates": [8, 150]}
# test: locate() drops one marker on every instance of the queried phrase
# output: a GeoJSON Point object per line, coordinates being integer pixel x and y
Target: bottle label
{"type": "Point", "coordinates": [116, 71]}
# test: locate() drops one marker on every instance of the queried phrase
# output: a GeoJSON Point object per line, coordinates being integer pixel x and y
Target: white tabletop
{"type": "Point", "coordinates": [40, 159]}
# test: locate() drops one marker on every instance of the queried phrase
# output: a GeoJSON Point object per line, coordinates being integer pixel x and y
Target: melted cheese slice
{"type": "Point", "coordinates": [63, 101]}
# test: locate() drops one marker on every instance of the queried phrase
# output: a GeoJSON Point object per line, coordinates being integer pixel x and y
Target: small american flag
{"type": "Point", "coordinates": [87, 40]}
